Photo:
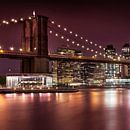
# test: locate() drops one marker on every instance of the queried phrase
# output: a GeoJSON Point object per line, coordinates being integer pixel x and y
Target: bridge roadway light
{"type": "Point", "coordinates": [1, 51]}
{"type": "Point", "coordinates": [20, 49]}
{"type": "Point", "coordinates": [21, 19]}
{"type": "Point", "coordinates": [12, 48]}
{"type": "Point", "coordinates": [29, 18]}
{"type": "Point", "coordinates": [35, 48]}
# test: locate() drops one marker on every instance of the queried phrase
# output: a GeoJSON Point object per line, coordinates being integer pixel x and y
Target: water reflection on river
{"type": "Point", "coordinates": [91, 109]}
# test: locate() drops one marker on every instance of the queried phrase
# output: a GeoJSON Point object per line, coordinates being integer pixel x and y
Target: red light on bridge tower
{"type": "Point", "coordinates": [35, 40]}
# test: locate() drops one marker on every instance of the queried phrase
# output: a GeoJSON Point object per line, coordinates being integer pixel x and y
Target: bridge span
{"type": "Point", "coordinates": [51, 57]}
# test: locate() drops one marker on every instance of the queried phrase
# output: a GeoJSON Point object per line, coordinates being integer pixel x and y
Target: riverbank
{"type": "Point", "coordinates": [70, 90]}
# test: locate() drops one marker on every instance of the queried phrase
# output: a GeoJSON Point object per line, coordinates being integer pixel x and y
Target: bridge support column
{"type": "Point", "coordinates": [26, 66]}
{"type": "Point", "coordinates": [35, 41]}
{"type": "Point", "coordinates": [40, 65]}
{"type": "Point", "coordinates": [35, 65]}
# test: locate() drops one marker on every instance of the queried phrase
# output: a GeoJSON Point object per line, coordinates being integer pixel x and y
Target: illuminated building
{"type": "Point", "coordinates": [126, 50]}
{"type": "Point", "coordinates": [28, 80]}
{"type": "Point", "coordinates": [110, 51]}
{"type": "Point", "coordinates": [126, 54]}
{"type": "Point", "coordinates": [76, 73]}
{"type": "Point", "coordinates": [67, 72]}
{"type": "Point", "coordinates": [111, 70]}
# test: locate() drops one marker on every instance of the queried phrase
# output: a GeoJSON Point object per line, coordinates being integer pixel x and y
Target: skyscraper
{"type": "Point", "coordinates": [126, 54]}
{"type": "Point", "coordinates": [111, 70]}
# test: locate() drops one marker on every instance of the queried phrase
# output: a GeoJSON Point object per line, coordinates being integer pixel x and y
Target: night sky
{"type": "Point", "coordinates": [103, 22]}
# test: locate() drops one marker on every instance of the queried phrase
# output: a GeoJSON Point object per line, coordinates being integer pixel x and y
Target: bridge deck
{"type": "Point", "coordinates": [22, 55]}
{"type": "Point", "coordinates": [86, 59]}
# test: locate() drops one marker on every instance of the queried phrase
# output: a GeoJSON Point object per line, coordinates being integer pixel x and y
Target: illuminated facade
{"type": "Point", "coordinates": [111, 70]}
{"type": "Point", "coordinates": [126, 54]}
{"type": "Point", "coordinates": [67, 72]}
{"type": "Point", "coordinates": [76, 73]}
{"type": "Point", "coordinates": [28, 80]}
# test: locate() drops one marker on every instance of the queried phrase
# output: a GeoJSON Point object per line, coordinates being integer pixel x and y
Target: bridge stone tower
{"type": "Point", "coordinates": [35, 41]}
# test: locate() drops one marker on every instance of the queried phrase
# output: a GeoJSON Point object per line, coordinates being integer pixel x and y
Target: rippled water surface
{"type": "Point", "coordinates": [92, 109]}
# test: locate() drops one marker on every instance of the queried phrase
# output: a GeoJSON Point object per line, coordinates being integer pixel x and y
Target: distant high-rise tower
{"type": "Point", "coordinates": [111, 70]}
{"type": "Point", "coordinates": [126, 50]}
{"type": "Point", "coordinates": [110, 51]}
{"type": "Point", "coordinates": [126, 54]}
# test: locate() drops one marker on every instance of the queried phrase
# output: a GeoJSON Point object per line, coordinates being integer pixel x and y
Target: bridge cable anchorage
{"type": "Point", "coordinates": [73, 42]}
{"type": "Point", "coordinates": [53, 23]}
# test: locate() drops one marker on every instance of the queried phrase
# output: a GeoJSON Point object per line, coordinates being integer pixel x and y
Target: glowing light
{"type": "Point", "coordinates": [15, 21]}
{"type": "Point", "coordinates": [1, 51]}
{"type": "Point", "coordinates": [103, 48]}
{"type": "Point", "coordinates": [96, 52]}
{"type": "Point", "coordinates": [30, 18]}
{"type": "Point", "coordinates": [100, 53]}
{"type": "Point", "coordinates": [67, 40]}
{"type": "Point", "coordinates": [52, 22]}
{"type": "Point", "coordinates": [35, 48]}
{"type": "Point", "coordinates": [95, 44]}
{"type": "Point", "coordinates": [12, 20]}
{"type": "Point", "coordinates": [91, 42]}
{"type": "Point", "coordinates": [3, 21]}
{"type": "Point", "coordinates": [21, 19]}
{"type": "Point", "coordinates": [58, 26]}
{"type": "Point", "coordinates": [100, 46]}
{"type": "Point", "coordinates": [73, 42]}
{"type": "Point", "coordinates": [62, 37]}
{"type": "Point", "coordinates": [77, 44]}
{"type": "Point", "coordinates": [12, 48]}
{"type": "Point", "coordinates": [92, 50]}
{"type": "Point", "coordinates": [71, 32]}
{"type": "Point", "coordinates": [50, 32]}
{"type": "Point", "coordinates": [86, 40]}
{"type": "Point", "coordinates": [82, 46]}
{"type": "Point", "coordinates": [20, 49]}
{"type": "Point", "coordinates": [87, 49]}
{"type": "Point", "coordinates": [65, 29]}
{"type": "Point", "coordinates": [6, 22]}
{"type": "Point", "coordinates": [81, 37]}
{"type": "Point", "coordinates": [56, 35]}
{"type": "Point", "coordinates": [0, 47]}
{"type": "Point", "coordinates": [34, 13]}
{"type": "Point", "coordinates": [76, 35]}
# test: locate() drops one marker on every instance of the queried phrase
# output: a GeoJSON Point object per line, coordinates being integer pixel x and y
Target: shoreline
{"type": "Point", "coordinates": [6, 91]}
{"type": "Point", "coordinates": [54, 90]}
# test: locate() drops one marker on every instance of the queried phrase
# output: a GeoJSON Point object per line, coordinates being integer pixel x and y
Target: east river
{"type": "Point", "coordinates": [91, 109]}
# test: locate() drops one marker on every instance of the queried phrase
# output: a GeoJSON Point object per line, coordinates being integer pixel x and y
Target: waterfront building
{"type": "Point", "coordinates": [28, 80]}
{"type": "Point", "coordinates": [76, 73]}
{"type": "Point", "coordinates": [67, 72]}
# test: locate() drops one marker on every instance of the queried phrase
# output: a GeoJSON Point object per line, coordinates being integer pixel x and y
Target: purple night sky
{"type": "Point", "coordinates": [102, 22]}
